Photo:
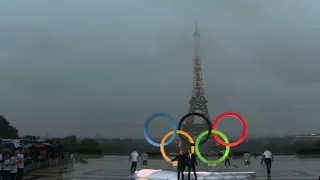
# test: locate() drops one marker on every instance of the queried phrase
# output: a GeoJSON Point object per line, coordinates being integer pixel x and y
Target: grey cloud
{"type": "Point", "coordinates": [89, 68]}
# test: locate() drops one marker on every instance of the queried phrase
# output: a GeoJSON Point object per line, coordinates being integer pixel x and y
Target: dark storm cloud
{"type": "Point", "coordinates": [90, 67]}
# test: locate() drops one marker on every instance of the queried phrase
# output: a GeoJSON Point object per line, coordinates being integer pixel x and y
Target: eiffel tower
{"type": "Point", "coordinates": [198, 102]}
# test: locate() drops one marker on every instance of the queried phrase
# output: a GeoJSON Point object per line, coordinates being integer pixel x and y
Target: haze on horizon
{"type": "Point", "coordinates": [102, 67]}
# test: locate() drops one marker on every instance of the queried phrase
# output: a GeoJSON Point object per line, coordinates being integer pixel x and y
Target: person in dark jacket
{"type": "Point", "coordinates": [181, 158]}
{"type": "Point", "coordinates": [191, 163]}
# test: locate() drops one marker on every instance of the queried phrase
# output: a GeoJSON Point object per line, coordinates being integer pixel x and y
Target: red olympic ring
{"type": "Point", "coordinates": [244, 125]}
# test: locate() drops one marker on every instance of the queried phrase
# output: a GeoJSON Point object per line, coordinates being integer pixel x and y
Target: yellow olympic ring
{"type": "Point", "coordinates": [165, 137]}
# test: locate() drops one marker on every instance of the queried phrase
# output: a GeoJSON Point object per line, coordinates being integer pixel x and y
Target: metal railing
{"type": "Point", "coordinates": [46, 164]}
{"type": "Point", "coordinates": [46, 161]}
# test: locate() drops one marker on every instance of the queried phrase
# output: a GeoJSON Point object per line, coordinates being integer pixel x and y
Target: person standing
{"type": "Point", "coordinates": [20, 158]}
{"type": "Point", "coordinates": [181, 164]}
{"type": "Point", "coordinates": [268, 158]}
{"type": "Point", "coordinates": [144, 159]}
{"type": "Point", "coordinates": [134, 158]}
{"type": "Point", "coordinates": [246, 162]}
{"type": "Point", "coordinates": [14, 165]}
{"type": "Point", "coordinates": [6, 167]}
{"type": "Point", "coordinates": [247, 157]}
{"type": "Point", "coordinates": [191, 162]}
{"type": "Point", "coordinates": [227, 161]}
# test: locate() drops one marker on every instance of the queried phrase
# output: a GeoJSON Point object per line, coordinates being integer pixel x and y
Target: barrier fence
{"type": "Point", "coordinates": [31, 165]}
{"type": "Point", "coordinates": [46, 164]}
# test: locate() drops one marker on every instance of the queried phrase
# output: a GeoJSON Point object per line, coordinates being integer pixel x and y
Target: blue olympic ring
{"type": "Point", "coordinates": [152, 117]}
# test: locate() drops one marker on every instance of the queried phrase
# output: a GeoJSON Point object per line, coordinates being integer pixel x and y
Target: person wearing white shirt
{"type": "Point", "coordinates": [20, 158]}
{"type": "Point", "coordinates": [14, 165]}
{"type": "Point", "coordinates": [268, 158]}
{"type": "Point", "coordinates": [134, 158]}
{"type": "Point", "coordinates": [6, 167]}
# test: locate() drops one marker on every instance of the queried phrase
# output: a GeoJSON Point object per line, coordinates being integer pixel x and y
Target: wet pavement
{"type": "Point", "coordinates": [117, 168]}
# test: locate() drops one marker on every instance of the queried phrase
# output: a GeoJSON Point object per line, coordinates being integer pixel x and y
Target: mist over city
{"type": "Point", "coordinates": [100, 68]}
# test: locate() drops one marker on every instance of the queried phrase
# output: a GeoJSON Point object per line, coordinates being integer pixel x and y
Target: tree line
{"type": "Point", "coordinates": [117, 146]}
{"type": "Point", "coordinates": [70, 143]}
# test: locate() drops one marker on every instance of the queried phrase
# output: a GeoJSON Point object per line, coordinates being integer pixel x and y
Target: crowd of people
{"type": "Point", "coordinates": [35, 154]}
{"type": "Point", "coordinates": [13, 160]}
{"type": "Point", "coordinates": [12, 164]}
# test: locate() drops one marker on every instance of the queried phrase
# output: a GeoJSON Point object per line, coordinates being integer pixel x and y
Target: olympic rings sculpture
{"type": "Point", "coordinates": [201, 139]}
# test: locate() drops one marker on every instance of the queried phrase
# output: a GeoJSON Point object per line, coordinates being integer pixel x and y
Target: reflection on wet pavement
{"type": "Point", "coordinates": [117, 168]}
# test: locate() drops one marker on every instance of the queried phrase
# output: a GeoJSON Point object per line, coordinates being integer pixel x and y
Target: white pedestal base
{"type": "Point", "coordinates": [145, 174]}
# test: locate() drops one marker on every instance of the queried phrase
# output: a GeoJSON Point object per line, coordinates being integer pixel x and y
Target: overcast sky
{"type": "Point", "coordinates": [102, 67]}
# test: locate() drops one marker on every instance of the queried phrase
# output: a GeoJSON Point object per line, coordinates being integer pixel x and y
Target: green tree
{"type": "Point", "coordinates": [69, 142]}
{"type": "Point", "coordinates": [88, 144]}
{"type": "Point", "coordinates": [6, 130]}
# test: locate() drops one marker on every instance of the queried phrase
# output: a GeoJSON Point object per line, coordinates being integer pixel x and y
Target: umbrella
{"type": "Point", "coordinates": [41, 146]}
{"type": "Point", "coordinates": [11, 145]}
{"type": "Point", "coordinates": [47, 144]}
{"type": "Point", "coordinates": [246, 155]}
{"type": "Point", "coordinates": [27, 146]}
{"type": "Point", "coordinates": [40, 140]}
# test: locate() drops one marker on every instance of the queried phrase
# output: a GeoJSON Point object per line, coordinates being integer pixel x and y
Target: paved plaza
{"type": "Point", "coordinates": [117, 168]}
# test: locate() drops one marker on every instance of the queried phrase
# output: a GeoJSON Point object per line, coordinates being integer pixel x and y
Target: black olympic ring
{"type": "Point", "coordinates": [204, 140]}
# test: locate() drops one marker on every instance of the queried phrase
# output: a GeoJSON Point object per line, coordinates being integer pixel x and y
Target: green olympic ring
{"type": "Point", "coordinates": [225, 155]}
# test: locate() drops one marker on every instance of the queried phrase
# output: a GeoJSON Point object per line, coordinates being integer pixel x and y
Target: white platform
{"type": "Point", "coordinates": [148, 174]}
